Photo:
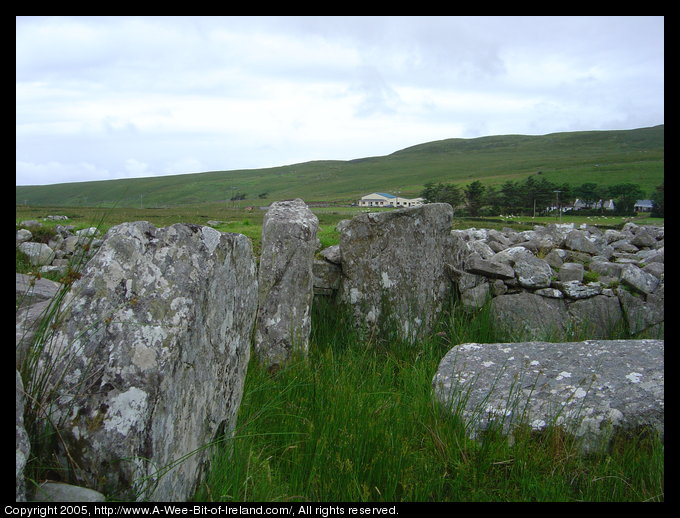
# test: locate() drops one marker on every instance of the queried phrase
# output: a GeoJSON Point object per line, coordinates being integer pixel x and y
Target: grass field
{"type": "Point", "coordinates": [603, 157]}
{"type": "Point", "coordinates": [356, 422]}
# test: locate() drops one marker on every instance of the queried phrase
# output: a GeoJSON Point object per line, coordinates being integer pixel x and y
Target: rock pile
{"type": "Point", "coordinates": [65, 247]}
{"type": "Point", "coordinates": [557, 277]}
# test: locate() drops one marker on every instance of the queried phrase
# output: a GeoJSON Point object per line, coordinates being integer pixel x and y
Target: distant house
{"type": "Point", "coordinates": [382, 199]}
{"type": "Point", "coordinates": [643, 206]}
{"type": "Point", "coordinates": [600, 204]}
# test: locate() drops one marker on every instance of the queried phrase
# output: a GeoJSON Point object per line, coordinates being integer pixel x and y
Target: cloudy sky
{"type": "Point", "coordinates": [119, 97]}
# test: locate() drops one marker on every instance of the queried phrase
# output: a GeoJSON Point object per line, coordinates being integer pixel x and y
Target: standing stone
{"type": "Point", "coordinates": [394, 273]}
{"type": "Point", "coordinates": [151, 355]}
{"type": "Point", "coordinates": [286, 281]}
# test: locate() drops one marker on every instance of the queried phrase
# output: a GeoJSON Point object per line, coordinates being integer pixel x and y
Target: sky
{"type": "Point", "coordinates": [100, 98]}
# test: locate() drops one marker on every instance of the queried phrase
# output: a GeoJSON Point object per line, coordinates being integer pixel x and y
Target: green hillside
{"type": "Point", "coordinates": [602, 157]}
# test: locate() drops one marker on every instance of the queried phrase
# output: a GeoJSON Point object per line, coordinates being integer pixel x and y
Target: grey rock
{"type": "Point", "coordinates": [578, 290]}
{"type": "Point", "coordinates": [29, 288]}
{"type": "Point", "coordinates": [394, 268]}
{"type": "Point", "coordinates": [595, 317]}
{"type": "Point", "coordinates": [332, 254]}
{"type": "Point", "coordinates": [326, 277]}
{"type": "Point", "coordinates": [492, 269]}
{"type": "Point", "coordinates": [578, 241]}
{"type": "Point", "coordinates": [529, 316]}
{"type": "Point", "coordinates": [150, 356]}
{"type": "Point", "coordinates": [23, 235]}
{"type": "Point", "coordinates": [532, 272]}
{"type": "Point", "coordinates": [571, 272]}
{"type": "Point", "coordinates": [641, 314]}
{"type": "Point", "coordinates": [286, 281]}
{"type": "Point", "coordinates": [591, 389]}
{"type": "Point", "coordinates": [607, 268]}
{"type": "Point", "coordinates": [638, 279]}
{"type": "Point", "coordinates": [643, 238]}
{"type": "Point", "coordinates": [38, 253]}
{"type": "Point", "coordinates": [60, 492]}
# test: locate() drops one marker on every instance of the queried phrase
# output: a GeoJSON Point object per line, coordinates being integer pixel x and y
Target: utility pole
{"type": "Point", "coordinates": [557, 201]}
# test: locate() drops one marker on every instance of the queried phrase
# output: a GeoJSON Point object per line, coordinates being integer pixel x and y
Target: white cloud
{"type": "Point", "coordinates": [102, 97]}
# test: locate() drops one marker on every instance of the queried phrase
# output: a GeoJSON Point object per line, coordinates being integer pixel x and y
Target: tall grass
{"type": "Point", "coordinates": [356, 421]}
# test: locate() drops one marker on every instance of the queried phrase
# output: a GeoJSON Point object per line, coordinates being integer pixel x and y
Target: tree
{"type": "Point", "coordinates": [442, 193]}
{"type": "Point", "coordinates": [474, 197]}
{"type": "Point", "coordinates": [589, 193]}
{"type": "Point", "coordinates": [625, 195]}
{"type": "Point", "coordinates": [657, 198]}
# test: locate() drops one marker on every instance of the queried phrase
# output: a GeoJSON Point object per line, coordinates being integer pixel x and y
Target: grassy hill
{"type": "Point", "coordinates": [602, 157]}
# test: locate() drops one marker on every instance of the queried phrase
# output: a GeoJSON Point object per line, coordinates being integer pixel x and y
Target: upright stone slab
{"type": "Point", "coordinates": [591, 389]}
{"type": "Point", "coordinates": [151, 355]}
{"type": "Point", "coordinates": [286, 281]}
{"type": "Point", "coordinates": [394, 273]}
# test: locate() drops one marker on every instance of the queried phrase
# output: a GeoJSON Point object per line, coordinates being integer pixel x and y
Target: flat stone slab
{"type": "Point", "coordinates": [591, 388]}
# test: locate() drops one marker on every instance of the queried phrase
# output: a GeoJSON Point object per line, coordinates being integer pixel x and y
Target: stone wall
{"type": "Point", "coordinates": [549, 281]}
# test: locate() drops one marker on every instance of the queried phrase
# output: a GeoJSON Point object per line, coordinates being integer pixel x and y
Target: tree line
{"type": "Point", "coordinates": [538, 196]}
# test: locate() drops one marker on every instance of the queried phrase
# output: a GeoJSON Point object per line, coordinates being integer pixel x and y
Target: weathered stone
{"type": "Point", "coordinates": [23, 235]}
{"type": "Point", "coordinates": [22, 442]}
{"type": "Point", "coordinates": [491, 269]}
{"type": "Point", "coordinates": [643, 238]}
{"type": "Point", "coordinates": [38, 253]}
{"type": "Point", "coordinates": [286, 281]}
{"type": "Point", "coordinates": [571, 272]}
{"type": "Point", "coordinates": [595, 317]}
{"type": "Point", "coordinates": [578, 241]}
{"type": "Point", "coordinates": [476, 297]}
{"type": "Point", "coordinates": [532, 272]}
{"type": "Point", "coordinates": [578, 290]}
{"type": "Point", "coordinates": [332, 254]}
{"type": "Point", "coordinates": [642, 314]}
{"type": "Point", "coordinates": [59, 492]}
{"type": "Point", "coordinates": [528, 316]}
{"type": "Point", "coordinates": [150, 357]}
{"type": "Point", "coordinates": [394, 273]}
{"type": "Point", "coordinates": [638, 279]}
{"type": "Point", "coordinates": [607, 268]}
{"type": "Point", "coordinates": [326, 277]}
{"type": "Point", "coordinates": [29, 288]}
{"type": "Point", "coordinates": [591, 389]}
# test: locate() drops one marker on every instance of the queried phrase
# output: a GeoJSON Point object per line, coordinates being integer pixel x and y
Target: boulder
{"type": "Point", "coordinates": [286, 280]}
{"type": "Point", "coordinates": [591, 389]}
{"type": "Point", "coordinates": [526, 315]}
{"type": "Point", "coordinates": [60, 492]}
{"type": "Point", "coordinates": [394, 271]}
{"type": "Point", "coordinates": [149, 359]}
{"type": "Point", "coordinates": [38, 253]}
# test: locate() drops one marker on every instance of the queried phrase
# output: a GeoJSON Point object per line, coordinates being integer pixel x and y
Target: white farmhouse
{"type": "Point", "coordinates": [382, 199]}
